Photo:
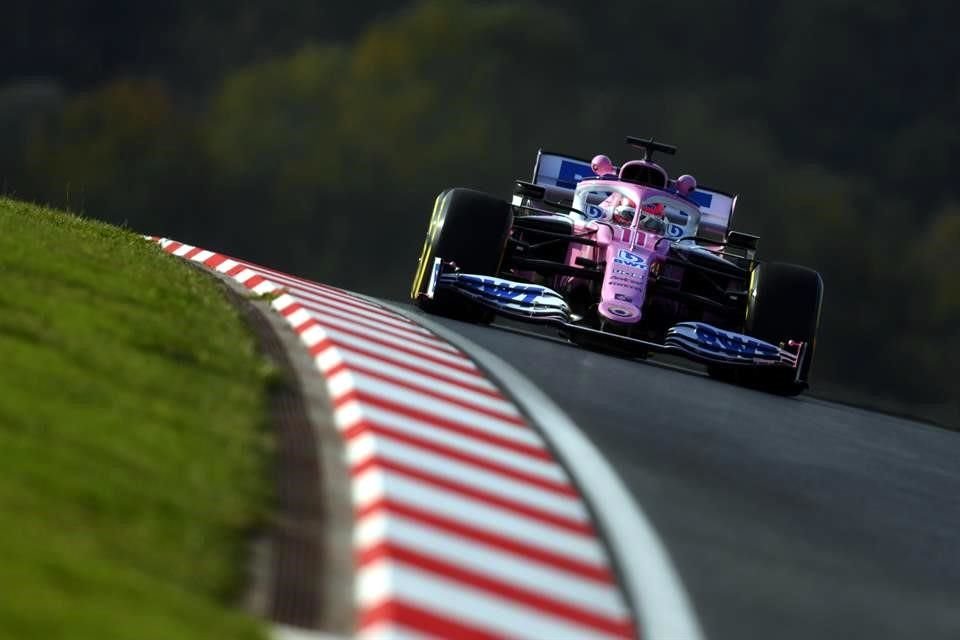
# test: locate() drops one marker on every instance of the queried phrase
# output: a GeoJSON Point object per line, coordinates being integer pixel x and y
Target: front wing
{"type": "Point", "coordinates": [535, 303]}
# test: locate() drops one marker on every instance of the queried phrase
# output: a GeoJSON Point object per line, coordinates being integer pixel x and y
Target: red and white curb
{"type": "Point", "coordinates": [465, 525]}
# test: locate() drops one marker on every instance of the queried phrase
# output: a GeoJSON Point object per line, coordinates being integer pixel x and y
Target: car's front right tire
{"type": "Point", "coordinates": [784, 304]}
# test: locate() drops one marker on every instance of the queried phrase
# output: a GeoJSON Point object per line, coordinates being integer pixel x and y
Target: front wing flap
{"type": "Point", "coordinates": [712, 344]}
{"type": "Point", "coordinates": [535, 303]}
{"type": "Point", "coordinates": [516, 299]}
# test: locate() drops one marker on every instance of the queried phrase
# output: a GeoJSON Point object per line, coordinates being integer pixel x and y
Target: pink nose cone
{"type": "Point", "coordinates": [601, 165]}
{"type": "Point", "coordinates": [619, 312]}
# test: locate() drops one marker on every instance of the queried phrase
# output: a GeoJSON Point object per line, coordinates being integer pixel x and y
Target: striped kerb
{"type": "Point", "coordinates": [466, 526]}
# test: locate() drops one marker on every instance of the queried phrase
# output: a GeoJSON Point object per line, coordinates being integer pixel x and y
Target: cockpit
{"type": "Point", "coordinates": [627, 204]}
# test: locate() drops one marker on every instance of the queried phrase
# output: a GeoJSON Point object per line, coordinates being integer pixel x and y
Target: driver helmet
{"type": "Point", "coordinates": [686, 185]}
{"type": "Point", "coordinates": [601, 165]}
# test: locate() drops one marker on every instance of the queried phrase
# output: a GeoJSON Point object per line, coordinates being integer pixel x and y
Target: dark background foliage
{"type": "Point", "coordinates": [313, 136]}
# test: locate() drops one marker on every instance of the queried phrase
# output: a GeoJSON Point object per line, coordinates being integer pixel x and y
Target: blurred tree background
{"type": "Point", "coordinates": [313, 137]}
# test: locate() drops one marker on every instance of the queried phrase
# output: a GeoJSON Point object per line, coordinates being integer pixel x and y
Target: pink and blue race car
{"type": "Point", "coordinates": [625, 259]}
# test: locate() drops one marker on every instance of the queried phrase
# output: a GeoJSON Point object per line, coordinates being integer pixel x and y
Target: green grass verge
{"type": "Point", "coordinates": [132, 438]}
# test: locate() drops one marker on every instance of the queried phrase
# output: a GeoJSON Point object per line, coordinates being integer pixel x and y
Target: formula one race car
{"type": "Point", "coordinates": [624, 259]}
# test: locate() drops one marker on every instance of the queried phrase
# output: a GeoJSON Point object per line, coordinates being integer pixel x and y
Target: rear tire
{"type": "Point", "coordinates": [468, 228]}
{"type": "Point", "coordinates": [784, 304]}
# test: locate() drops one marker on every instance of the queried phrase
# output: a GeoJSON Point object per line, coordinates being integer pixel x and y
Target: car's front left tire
{"type": "Point", "coordinates": [468, 228]}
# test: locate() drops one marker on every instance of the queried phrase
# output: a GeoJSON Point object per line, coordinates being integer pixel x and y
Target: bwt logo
{"type": "Point", "coordinates": [503, 290]}
{"type": "Point", "coordinates": [718, 340]}
{"type": "Point", "coordinates": [630, 259]}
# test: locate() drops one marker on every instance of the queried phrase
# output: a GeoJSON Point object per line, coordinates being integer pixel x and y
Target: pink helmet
{"type": "Point", "coordinates": [686, 184]}
{"type": "Point", "coordinates": [602, 165]}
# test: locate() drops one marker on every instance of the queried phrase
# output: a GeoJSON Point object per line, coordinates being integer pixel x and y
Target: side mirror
{"type": "Point", "coordinates": [743, 245]}
{"type": "Point", "coordinates": [743, 240]}
{"type": "Point", "coordinates": [529, 190]}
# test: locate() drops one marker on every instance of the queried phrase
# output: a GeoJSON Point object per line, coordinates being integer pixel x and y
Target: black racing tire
{"type": "Point", "coordinates": [470, 229]}
{"type": "Point", "coordinates": [784, 304]}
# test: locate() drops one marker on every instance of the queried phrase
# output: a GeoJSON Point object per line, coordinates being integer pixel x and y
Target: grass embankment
{"type": "Point", "coordinates": [132, 440]}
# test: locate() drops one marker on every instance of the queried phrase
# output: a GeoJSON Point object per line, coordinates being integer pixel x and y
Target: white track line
{"type": "Point", "coordinates": [661, 604]}
{"type": "Point", "coordinates": [283, 632]}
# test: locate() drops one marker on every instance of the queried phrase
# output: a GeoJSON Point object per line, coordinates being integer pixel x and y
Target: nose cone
{"type": "Point", "coordinates": [624, 283]}
{"type": "Point", "coordinates": [620, 312]}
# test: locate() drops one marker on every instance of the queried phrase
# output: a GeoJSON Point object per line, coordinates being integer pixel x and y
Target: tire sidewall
{"type": "Point", "coordinates": [470, 229]}
{"type": "Point", "coordinates": [784, 304]}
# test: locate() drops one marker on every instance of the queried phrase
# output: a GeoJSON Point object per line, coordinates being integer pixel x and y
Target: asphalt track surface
{"type": "Point", "coordinates": [785, 517]}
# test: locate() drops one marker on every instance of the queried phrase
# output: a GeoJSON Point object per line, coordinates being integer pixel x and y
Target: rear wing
{"type": "Point", "coordinates": [559, 175]}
